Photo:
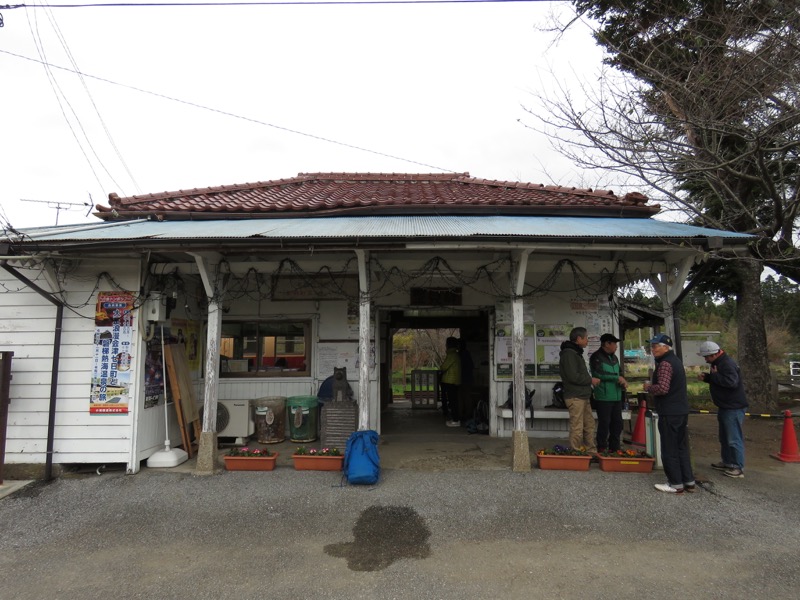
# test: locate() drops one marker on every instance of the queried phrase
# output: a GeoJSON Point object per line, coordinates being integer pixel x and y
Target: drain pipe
{"type": "Point", "coordinates": [51, 418]}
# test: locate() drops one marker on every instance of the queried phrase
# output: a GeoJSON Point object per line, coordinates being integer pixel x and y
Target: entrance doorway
{"type": "Point", "coordinates": [416, 345]}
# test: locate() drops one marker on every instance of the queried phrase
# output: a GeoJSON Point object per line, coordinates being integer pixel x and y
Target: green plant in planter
{"type": "Point", "coordinates": [245, 451]}
{"type": "Point", "coordinates": [624, 454]}
{"type": "Point", "coordinates": [559, 450]}
{"type": "Point", "coordinates": [303, 451]}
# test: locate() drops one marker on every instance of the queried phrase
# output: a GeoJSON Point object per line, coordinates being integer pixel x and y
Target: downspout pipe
{"type": "Point", "coordinates": [51, 417]}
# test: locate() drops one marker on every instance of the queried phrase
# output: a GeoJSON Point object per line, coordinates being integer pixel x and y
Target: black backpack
{"type": "Point", "coordinates": [480, 418]}
{"type": "Point", "coordinates": [510, 400]}
{"type": "Point", "coordinates": [558, 396]}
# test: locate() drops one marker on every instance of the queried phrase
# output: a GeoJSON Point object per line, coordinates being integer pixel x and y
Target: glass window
{"type": "Point", "coordinates": [265, 349]}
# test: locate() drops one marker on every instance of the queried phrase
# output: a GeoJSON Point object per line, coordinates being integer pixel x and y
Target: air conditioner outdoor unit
{"type": "Point", "coordinates": [234, 419]}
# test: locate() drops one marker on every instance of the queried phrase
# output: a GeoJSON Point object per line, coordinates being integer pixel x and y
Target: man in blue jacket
{"type": "Point", "coordinates": [727, 393]}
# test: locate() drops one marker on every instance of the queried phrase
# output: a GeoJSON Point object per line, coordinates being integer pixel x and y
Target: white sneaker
{"type": "Point", "coordinates": [665, 487]}
{"type": "Point", "coordinates": [453, 423]}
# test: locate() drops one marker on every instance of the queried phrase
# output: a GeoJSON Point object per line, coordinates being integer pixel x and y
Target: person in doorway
{"type": "Point", "coordinates": [465, 407]}
{"type": "Point", "coordinates": [449, 380]}
{"type": "Point", "coordinates": [578, 382]}
{"type": "Point", "coordinates": [604, 365]}
{"type": "Point", "coordinates": [668, 388]}
{"type": "Point", "coordinates": [727, 393]}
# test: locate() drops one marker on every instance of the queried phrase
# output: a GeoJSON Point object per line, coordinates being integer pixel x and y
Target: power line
{"type": "Point", "coordinates": [271, 3]}
{"type": "Point", "coordinates": [74, 63]}
{"type": "Point", "coordinates": [230, 114]}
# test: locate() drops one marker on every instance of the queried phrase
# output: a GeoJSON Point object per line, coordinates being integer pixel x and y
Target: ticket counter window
{"type": "Point", "coordinates": [265, 349]}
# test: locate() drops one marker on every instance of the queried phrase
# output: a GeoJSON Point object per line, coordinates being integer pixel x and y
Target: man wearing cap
{"type": "Point", "coordinates": [604, 365]}
{"type": "Point", "coordinates": [727, 393]}
{"type": "Point", "coordinates": [578, 382]}
{"type": "Point", "coordinates": [668, 388]}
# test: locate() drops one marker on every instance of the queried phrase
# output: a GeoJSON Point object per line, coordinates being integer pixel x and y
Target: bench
{"type": "Point", "coordinates": [547, 422]}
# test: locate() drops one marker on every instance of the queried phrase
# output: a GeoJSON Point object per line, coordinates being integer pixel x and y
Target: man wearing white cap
{"type": "Point", "coordinates": [727, 393]}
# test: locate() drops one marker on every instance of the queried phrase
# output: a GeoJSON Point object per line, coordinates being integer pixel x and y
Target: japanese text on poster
{"type": "Point", "coordinates": [113, 362]}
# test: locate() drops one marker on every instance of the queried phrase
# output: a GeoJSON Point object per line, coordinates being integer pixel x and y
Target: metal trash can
{"type": "Point", "coordinates": [270, 419]}
{"type": "Point", "coordinates": [302, 418]}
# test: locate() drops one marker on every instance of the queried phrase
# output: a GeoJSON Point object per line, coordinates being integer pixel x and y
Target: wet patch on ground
{"type": "Point", "coordinates": [383, 535]}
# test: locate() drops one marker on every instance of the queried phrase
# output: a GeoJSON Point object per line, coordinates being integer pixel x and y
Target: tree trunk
{"type": "Point", "coordinates": [752, 350]}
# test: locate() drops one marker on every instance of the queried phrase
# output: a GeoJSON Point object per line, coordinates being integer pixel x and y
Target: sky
{"type": "Point", "coordinates": [177, 98]}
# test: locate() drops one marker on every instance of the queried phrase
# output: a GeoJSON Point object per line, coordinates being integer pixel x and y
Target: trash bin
{"type": "Point", "coordinates": [270, 419]}
{"type": "Point", "coordinates": [302, 418]}
{"type": "Point", "coordinates": [653, 439]}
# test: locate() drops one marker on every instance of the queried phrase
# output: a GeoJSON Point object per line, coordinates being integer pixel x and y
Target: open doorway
{"type": "Point", "coordinates": [412, 401]}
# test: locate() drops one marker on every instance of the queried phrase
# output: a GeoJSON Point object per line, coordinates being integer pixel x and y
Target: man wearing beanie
{"type": "Point", "coordinates": [727, 393]}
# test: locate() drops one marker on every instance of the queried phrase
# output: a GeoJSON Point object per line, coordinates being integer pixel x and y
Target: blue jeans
{"type": "Point", "coordinates": [731, 439]}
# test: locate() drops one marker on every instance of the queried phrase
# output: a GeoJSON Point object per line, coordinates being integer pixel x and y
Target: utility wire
{"type": "Point", "coordinates": [229, 114]}
{"type": "Point", "coordinates": [59, 94]}
{"type": "Point", "coordinates": [74, 63]}
{"type": "Point", "coordinates": [272, 3]}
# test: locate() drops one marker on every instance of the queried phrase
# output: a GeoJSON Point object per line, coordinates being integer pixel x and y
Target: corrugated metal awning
{"type": "Point", "coordinates": [522, 228]}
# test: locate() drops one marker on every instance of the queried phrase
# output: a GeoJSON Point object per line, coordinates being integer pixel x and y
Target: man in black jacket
{"type": "Point", "coordinates": [727, 393]}
{"type": "Point", "coordinates": [668, 389]}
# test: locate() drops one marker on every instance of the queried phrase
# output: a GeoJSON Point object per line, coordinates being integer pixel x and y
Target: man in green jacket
{"type": "Point", "coordinates": [604, 365]}
{"type": "Point", "coordinates": [578, 384]}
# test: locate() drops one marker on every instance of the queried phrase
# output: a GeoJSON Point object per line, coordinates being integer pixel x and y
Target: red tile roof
{"type": "Point", "coordinates": [332, 194]}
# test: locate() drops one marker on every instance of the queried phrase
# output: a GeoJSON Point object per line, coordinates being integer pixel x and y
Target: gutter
{"type": "Point", "coordinates": [51, 418]}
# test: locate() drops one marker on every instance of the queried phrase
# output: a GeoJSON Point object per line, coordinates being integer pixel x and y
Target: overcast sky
{"type": "Point", "coordinates": [435, 87]}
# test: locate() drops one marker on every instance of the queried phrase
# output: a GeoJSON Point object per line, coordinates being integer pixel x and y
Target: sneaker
{"type": "Point", "coordinates": [735, 473]}
{"type": "Point", "coordinates": [689, 488]}
{"type": "Point", "coordinates": [665, 487]}
{"type": "Point", "coordinates": [720, 466]}
{"type": "Point", "coordinates": [453, 423]}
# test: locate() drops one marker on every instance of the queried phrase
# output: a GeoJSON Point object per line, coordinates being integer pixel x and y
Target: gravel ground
{"type": "Point", "coordinates": [417, 534]}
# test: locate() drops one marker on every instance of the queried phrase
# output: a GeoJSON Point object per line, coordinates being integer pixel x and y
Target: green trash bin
{"type": "Point", "coordinates": [302, 418]}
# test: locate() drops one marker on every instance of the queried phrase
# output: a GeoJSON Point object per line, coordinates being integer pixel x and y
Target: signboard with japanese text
{"type": "Point", "coordinates": [112, 367]}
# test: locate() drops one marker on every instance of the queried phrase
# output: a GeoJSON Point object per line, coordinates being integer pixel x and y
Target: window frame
{"type": "Point", "coordinates": [253, 339]}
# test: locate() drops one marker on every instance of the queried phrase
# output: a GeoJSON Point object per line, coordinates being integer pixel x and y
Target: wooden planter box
{"type": "Point", "coordinates": [250, 463]}
{"type": "Point", "coordinates": [621, 464]}
{"type": "Point", "coordinates": [308, 462]}
{"type": "Point", "coordinates": [558, 462]}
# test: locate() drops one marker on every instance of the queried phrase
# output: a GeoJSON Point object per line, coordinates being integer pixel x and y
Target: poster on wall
{"type": "Point", "coordinates": [503, 311]}
{"type": "Point", "coordinates": [188, 333]}
{"type": "Point", "coordinates": [341, 354]}
{"type": "Point", "coordinates": [113, 362]}
{"type": "Point", "coordinates": [153, 373]}
{"type": "Point", "coordinates": [548, 347]}
{"type": "Point", "coordinates": [502, 351]}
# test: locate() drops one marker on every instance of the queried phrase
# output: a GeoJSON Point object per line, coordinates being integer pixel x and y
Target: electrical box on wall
{"type": "Point", "coordinates": [155, 307]}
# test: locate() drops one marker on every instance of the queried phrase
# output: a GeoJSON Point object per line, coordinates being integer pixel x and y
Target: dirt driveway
{"type": "Point", "coordinates": [762, 437]}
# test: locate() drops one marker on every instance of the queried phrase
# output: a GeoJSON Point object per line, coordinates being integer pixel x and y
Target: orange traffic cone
{"type": "Point", "coordinates": [789, 451]}
{"type": "Point", "coordinates": [639, 437]}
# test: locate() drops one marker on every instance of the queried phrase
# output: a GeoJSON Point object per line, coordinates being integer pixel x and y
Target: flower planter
{"type": "Point", "coordinates": [250, 463]}
{"type": "Point", "coordinates": [308, 462]}
{"type": "Point", "coordinates": [561, 462]}
{"type": "Point", "coordinates": [622, 464]}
